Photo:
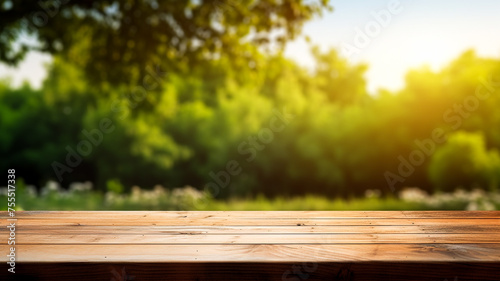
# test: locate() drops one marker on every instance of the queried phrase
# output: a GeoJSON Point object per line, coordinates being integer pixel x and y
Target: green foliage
{"type": "Point", "coordinates": [114, 185]}
{"type": "Point", "coordinates": [341, 82]}
{"type": "Point", "coordinates": [115, 41]}
{"type": "Point", "coordinates": [336, 141]}
{"type": "Point", "coordinates": [80, 196]}
{"type": "Point", "coordinates": [464, 161]}
{"type": "Point", "coordinates": [176, 93]}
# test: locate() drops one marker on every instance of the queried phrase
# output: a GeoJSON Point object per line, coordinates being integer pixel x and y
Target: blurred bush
{"type": "Point", "coordinates": [82, 196]}
{"type": "Point", "coordinates": [464, 161]}
{"type": "Point", "coordinates": [336, 141]}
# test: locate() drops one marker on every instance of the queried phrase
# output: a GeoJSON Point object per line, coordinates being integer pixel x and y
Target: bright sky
{"type": "Point", "coordinates": [419, 32]}
{"type": "Point", "coordinates": [424, 32]}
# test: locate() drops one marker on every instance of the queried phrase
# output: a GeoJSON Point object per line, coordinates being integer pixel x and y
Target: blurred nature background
{"type": "Point", "coordinates": [251, 104]}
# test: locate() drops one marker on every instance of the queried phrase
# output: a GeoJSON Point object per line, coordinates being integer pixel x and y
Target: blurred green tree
{"type": "Point", "coordinates": [122, 38]}
{"type": "Point", "coordinates": [464, 161]}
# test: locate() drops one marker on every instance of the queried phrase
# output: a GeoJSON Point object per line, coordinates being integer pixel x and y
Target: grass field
{"type": "Point", "coordinates": [81, 196]}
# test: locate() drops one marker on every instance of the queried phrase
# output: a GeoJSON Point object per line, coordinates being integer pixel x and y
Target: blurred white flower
{"type": "Point", "coordinates": [50, 186]}
{"type": "Point", "coordinates": [80, 186]}
{"type": "Point", "coordinates": [372, 193]}
{"type": "Point", "coordinates": [413, 194]}
{"type": "Point", "coordinates": [31, 191]}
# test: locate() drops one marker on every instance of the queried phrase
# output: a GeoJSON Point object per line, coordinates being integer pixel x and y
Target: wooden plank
{"type": "Point", "coordinates": [381, 271]}
{"type": "Point", "coordinates": [332, 229]}
{"type": "Point", "coordinates": [265, 215]}
{"type": "Point", "coordinates": [258, 253]}
{"type": "Point", "coordinates": [275, 237]}
{"type": "Point", "coordinates": [118, 221]}
{"type": "Point", "coordinates": [260, 239]}
{"type": "Point", "coordinates": [256, 271]}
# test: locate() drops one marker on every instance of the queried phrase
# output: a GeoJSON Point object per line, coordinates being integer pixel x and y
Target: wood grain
{"type": "Point", "coordinates": [226, 230]}
{"type": "Point", "coordinates": [255, 271]}
{"type": "Point", "coordinates": [259, 214]}
{"type": "Point", "coordinates": [366, 241]}
{"type": "Point", "coordinates": [257, 253]}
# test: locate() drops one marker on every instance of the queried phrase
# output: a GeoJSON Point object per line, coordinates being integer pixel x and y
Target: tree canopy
{"type": "Point", "coordinates": [141, 33]}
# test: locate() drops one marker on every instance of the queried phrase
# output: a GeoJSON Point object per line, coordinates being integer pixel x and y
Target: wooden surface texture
{"type": "Point", "coordinates": [193, 240]}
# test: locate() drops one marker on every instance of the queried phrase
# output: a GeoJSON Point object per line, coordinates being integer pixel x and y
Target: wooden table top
{"type": "Point", "coordinates": [253, 236]}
